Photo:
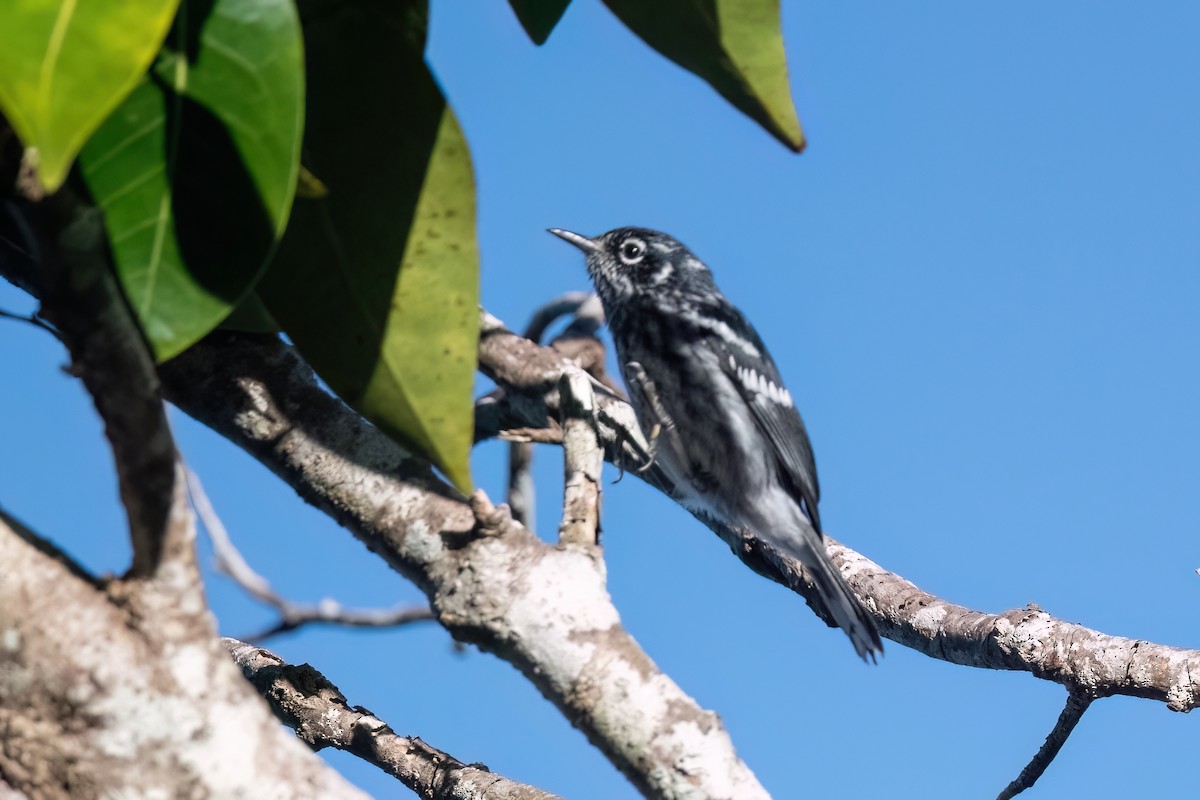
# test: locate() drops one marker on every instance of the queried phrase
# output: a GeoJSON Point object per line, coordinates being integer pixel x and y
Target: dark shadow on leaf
{"type": "Point", "coordinates": [221, 224]}
{"type": "Point", "coordinates": [372, 120]}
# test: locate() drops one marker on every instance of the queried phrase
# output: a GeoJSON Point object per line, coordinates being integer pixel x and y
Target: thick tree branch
{"type": "Point", "coordinates": [543, 608]}
{"type": "Point", "coordinates": [98, 700]}
{"type": "Point", "coordinates": [306, 701]}
{"type": "Point", "coordinates": [85, 305]}
{"type": "Point", "coordinates": [1071, 714]}
{"type": "Point", "coordinates": [119, 688]}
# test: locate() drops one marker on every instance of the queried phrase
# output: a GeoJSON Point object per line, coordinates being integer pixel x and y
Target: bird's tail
{"type": "Point", "coordinates": [781, 523]}
{"type": "Point", "coordinates": [843, 606]}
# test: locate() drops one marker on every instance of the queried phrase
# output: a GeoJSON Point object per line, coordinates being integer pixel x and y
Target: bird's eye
{"type": "Point", "coordinates": [632, 250]}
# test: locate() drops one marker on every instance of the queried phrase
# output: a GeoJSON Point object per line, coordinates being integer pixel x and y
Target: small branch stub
{"type": "Point", "coordinates": [1072, 712]}
{"type": "Point", "coordinates": [582, 461]}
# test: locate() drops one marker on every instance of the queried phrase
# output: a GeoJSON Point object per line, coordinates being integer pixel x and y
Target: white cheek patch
{"type": "Point", "coordinates": [663, 275]}
{"type": "Point", "coordinates": [761, 386]}
{"type": "Point", "coordinates": [693, 263]}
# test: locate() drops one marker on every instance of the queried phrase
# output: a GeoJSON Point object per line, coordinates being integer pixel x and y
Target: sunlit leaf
{"type": "Point", "coordinates": [66, 64]}
{"type": "Point", "coordinates": [734, 45]}
{"type": "Point", "coordinates": [197, 169]}
{"type": "Point", "coordinates": [377, 282]}
{"type": "Point", "coordinates": [538, 17]}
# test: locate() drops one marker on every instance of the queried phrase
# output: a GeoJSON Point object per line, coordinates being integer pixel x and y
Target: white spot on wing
{"type": "Point", "coordinates": [722, 331]}
{"type": "Point", "coordinates": [760, 385]}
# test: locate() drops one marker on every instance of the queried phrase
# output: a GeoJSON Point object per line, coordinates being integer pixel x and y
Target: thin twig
{"type": "Point", "coordinates": [578, 341]}
{"type": "Point", "coordinates": [1077, 703]}
{"type": "Point", "coordinates": [230, 562]}
{"type": "Point", "coordinates": [35, 321]}
{"type": "Point", "coordinates": [551, 312]}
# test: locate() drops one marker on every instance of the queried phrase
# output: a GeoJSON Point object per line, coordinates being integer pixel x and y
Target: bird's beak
{"type": "Point", "coordinates": [582, 242]}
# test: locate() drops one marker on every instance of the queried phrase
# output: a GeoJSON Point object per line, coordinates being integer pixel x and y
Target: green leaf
{"type": "Point", "coordinates": [734, 45]}
{"type": "Point", "coordinates": [538, 17]}
{"type": "Point", "coordinates": [377, 282]}
{"type": "Point", "coordinates": [66, 64]}
{"type": "Point", "coordinates": [197, 169]}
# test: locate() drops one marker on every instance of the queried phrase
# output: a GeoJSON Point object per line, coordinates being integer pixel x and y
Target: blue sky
{"type": "Point", "coordinates": [981, 284]}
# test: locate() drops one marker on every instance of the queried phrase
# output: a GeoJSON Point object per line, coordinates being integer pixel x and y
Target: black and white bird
{"type": "Point", "coordinates": [725, 431]}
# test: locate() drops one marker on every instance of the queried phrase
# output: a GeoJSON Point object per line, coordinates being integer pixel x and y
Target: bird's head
{"type": "Point", "coordinates": [628, 263]}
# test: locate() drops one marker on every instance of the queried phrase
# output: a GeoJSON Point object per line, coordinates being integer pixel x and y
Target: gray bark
{"type": "Point", "coordinates": [542, 608]}
{"type": "Point", "coordinates": [305, 700]}
{"type": "Point", "coordinates": [102, 694]}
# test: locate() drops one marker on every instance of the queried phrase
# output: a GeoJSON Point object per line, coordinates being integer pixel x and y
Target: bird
{"type": "Point", "coordinates": [723, 428]}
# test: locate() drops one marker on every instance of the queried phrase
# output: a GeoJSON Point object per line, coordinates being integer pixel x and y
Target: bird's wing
{"type": "Point", "coordinates": [749, 366]}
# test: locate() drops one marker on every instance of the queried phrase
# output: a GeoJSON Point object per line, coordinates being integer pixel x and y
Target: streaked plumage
{"type": "Point", "coordinates": [731, 439]}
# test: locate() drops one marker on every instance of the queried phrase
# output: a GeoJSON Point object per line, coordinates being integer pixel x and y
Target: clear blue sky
{"type": "Point", "coordinates": [982, 284]}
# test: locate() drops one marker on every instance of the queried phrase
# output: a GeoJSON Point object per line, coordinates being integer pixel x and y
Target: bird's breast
{"type": "Point", "coordinates": [708, 443]}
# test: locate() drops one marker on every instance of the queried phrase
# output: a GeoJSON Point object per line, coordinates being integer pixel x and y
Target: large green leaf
{"type": "Point", "coordinates": [66, 64]}
{"type": "Point", "coordinates": [538, 17]}
{"type": "Point", "coordinates": [376, 282]}
{"type": "Point", "coordinates": [735, 45]}
{"type": "Point", "coordinates": [196, 170]}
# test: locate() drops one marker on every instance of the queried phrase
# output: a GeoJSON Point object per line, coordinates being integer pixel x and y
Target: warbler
{"type": "Point", "coordinates": [725, 430]}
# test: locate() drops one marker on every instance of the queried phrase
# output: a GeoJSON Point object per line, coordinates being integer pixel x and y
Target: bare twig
{"type": "Point", "coordinates": [330, 612]}
{"type": "Point", "coordinates": [231, 563]}
{"type": "Point", "coordinates": [306, 701]}
{"type": "Point", "coordinates": [582, 460]}
{"type": "Point", "coordinates": [577, 341]}
{"type": "Point", "coordinates": [529, 408]}
{"type": "Point", "coordinates": [522, 493]}
{"type": "Point", "coordinates": [1072, 712]}
{"type": "Point", "coordinates": [35, 321]}
{"type": "Point", "coordinates": [551, 312]}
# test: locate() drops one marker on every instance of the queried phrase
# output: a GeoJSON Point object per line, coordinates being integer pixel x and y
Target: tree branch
{"type": "Point", "coordinates": [540, 607]}
{"type": "Point", "coordinates": [1028, 640]}
{"type": "Point", "coordinates": [579, 342]}
{"type": "Point", "coordinates": [305, 700]}
{"type": "Point", "coordinates": [85, 305]}
{"type": "Point", "coordinates": [230, 562]}
{"type": "Point", "coordinates": [1071, 714]}
{"type": "Point", "coordinates": [98, 700]}
{"type": "Point", "coordinates": [128, 694]}
{"type": "Point", "coordinates": [582, 460]}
